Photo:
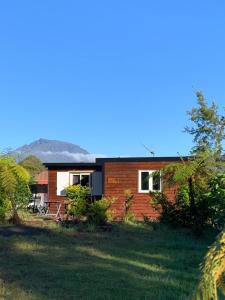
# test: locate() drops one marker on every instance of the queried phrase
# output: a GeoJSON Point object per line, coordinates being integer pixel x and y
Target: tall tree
{"type": "Point", "coordinates": [195, 175]}
{"type": "Point", "coordinates": [208, 131]}
{"type": "Point", "coordinates": [208, 127]}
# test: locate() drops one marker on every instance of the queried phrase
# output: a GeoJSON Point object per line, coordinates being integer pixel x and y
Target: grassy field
{"type": "Point", "coordinates": [130, 262]}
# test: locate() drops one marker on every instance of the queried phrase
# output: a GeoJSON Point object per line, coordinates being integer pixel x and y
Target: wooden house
{"type": "Point", "coordinates": [110, 177]}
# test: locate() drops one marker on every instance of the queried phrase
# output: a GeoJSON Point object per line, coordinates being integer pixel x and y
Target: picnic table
{"type": "Point", "coordinates": [45, 211]}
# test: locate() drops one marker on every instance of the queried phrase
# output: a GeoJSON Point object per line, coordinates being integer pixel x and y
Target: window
{"type": "Point", "coordinates": [145, 181]}
{"type": "Point", "coordinates": [149, 180]}
{"type": "Point", "coordinates": [76, 179]}
{"type": "Point", "coordinates": [80, 178]}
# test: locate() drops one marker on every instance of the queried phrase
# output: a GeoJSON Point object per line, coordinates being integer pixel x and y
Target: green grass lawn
{"type": "Point", "coordinates": [130, 262]}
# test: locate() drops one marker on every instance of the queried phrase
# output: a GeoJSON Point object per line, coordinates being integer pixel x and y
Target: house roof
{"type": "Point", "coordinates": [100, 161]}
{"type": "Point", "coordinates": [72, 164]}
{"type": "Point", "coordinates": [142, 159]}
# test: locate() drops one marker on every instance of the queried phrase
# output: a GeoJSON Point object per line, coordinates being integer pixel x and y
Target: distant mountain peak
{"type": "Point", "coordinates": [52, 145]}
{"type": "Point", "coordinates": [54, 151]}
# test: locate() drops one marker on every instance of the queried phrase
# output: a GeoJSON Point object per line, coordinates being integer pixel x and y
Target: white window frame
{"type": "Point", "coordinates": [79, 173]}
{"type": "Point", "coordinates": [150, 181]}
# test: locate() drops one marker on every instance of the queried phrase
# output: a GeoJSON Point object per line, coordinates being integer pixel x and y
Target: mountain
{"type": "Point", "coordinates": [54, 151]}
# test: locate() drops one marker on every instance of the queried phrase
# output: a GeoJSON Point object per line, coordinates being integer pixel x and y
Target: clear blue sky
{"type": "Point", "coordinates": [108, 75]}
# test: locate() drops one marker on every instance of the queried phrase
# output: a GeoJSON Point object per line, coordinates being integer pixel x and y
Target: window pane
{"type": "Point", "coordinates": [76, 179]}
{"type": "Point", "coordinates": [84, 180]}
{"type": "Point", "coordinates": [144, 181]}
{"type": "Point", "coordinates": [156, 182]}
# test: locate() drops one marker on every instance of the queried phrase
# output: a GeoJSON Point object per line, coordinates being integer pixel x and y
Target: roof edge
{"type": "Point", "coordinates": [72, 164]}
{"type": "Point", "coordinates": [143, 159]}
{"type": "Point", "coordinates": [100, 161]}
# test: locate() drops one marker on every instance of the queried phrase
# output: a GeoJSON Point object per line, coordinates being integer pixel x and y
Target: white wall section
{"type": "Point", "coordinates": [62, 183]}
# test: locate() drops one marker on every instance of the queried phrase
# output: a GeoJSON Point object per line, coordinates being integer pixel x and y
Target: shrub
{"type": "Point", "coordinates": [177, 213]}
{"type": "Point", "coordinates": [99, 212]}
{"type": "Point", "coordinates": [129, 197]}
{"type": "Point", "coordinates": [216, 201]}
{"type": "Point", "coordinates": [209, 205]}
{"type": "Point", "coordinates": [155, 224]}
{"type": "Point", "coordinates": [129, 217]}
{"type": "Point", "coordinates": [77, 208]}
{"type": "Point", "coordinates": [76, 200]}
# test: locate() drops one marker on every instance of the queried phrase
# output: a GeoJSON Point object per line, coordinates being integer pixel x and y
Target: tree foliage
{"type": "Point", "coordinates": [199, 198]}
{"type": "Point", "coordinates": [99, 212]}
{"type": "Point", "coordinates": [216, 199]}
{"type": "Point", "coordinates": [203, 177]}
{"type": "Point", "coordinates": [208, 126]}
{"type": "Point", "coordinates": [14, 187]}
{"type": "Point", "coordinates": [76, 200]}
{"type": "Point", "coordinates": [199, 187]}
{"type": "Point", "coordinates": [33, 165]}
{"type": "Point", "coordinates": [80, 207]}
{"type": "Point", "coordinates": [213, 269]}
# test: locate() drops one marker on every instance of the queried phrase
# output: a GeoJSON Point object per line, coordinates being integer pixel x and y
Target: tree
{"type": "Point", "coordinates": [203, 175]}
{"type": "Point", "coordinates": [193, 178]}
{"type": "Point", "coordinates": [208, 129]}
{"type": "Point", "coordinates": [33, 165]}
{"type": "Point", "coordinates": [14, 186]}
{"type": "Point", "coordinates": [195, 175]}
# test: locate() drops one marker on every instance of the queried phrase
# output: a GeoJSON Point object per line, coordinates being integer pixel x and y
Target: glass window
{"type": "Point", "coordinates": [76, 179]}
{"type": "Point", "coordinates": [145, 181]}
{"type": "Point", "coordinates": [149, 180]}
{"type": "Point", "coordinates": [156, 181]}
{"type": "Point", "coordinates": [84, 180]}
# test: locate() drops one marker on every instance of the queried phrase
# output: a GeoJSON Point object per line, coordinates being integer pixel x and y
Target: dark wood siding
{"type": "Point", "coordinates": [52, 189]}
{"type": "Point", "coordinates": [119, 176]}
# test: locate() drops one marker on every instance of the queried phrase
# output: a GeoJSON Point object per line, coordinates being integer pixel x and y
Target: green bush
{"type": "Point", "coordinates": [99, 212]}
{"type": "Point", "coordinates": [76, 200]}
{"type": "Point", "coordinates": [77, 208]}
{"type": "Point", "coordinates": [216, 201]}
{"type": "Point", "coordinates": [209, 205]}
{"type": "Point", "coordinates": [178, 213]}
{"type": "Point", "coordinates": [129, 217]}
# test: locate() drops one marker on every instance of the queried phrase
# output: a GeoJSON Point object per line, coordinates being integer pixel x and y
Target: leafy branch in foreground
{"type": "Point", "coordinates": [213, 269]}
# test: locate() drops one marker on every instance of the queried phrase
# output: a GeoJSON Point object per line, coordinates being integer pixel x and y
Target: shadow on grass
{"type": "Point", "coordinates": [24, 230]}
{"type": "Point", "coordinates": [127, 263]}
